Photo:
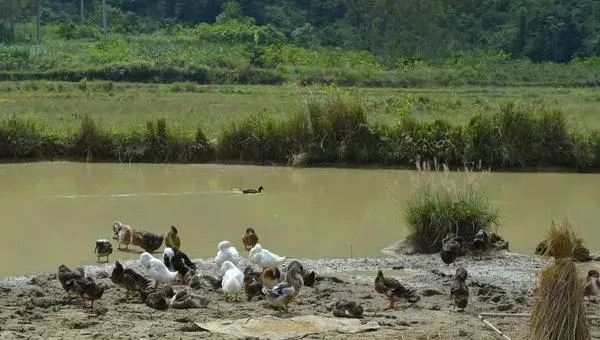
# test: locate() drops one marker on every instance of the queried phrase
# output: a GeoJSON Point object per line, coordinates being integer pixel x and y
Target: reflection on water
{"type": "Point", "coordinates": [52, 213]}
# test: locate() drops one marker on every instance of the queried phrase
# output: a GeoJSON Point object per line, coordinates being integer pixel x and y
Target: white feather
{"type": "Point", "coordinates": [156, 269]}
{"type": "Point", "coordinates": [264, 258]}
{"type": "Point", "coordinates": [233, 279]}
{"type": "Point", "coordinates": [226, 252]}
{"type": "Point", "coordinates": [276, 295]}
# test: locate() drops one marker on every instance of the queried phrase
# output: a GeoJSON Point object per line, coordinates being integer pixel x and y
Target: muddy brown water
{"type": "Point", "coordinates": [52, 213]}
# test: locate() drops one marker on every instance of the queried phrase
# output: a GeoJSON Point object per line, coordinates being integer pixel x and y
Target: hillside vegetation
{"type": "Point", "coordinates": [365, 43]}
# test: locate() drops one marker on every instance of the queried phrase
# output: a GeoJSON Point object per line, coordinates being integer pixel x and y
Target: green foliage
{"type": "Point", "coordinates": [332, 127]}
{"type": "Point", "coordinates": [438, 207]}
{"type": "Point", "coordinates": [109, 51]}
{"type": "Point", "coordinates": [514, 137]}
{"type": "Point", "coordinates": [14, 57]}
{"type": "Point", "coordinates": [20, 138]}
{"type": "Point", "coordinates": [541, 31]}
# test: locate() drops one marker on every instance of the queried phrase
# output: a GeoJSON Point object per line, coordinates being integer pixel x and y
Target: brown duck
{"type": "Point", "coordinates": [309, 278]}
{"type": "Point", "coordinates": [459, 290]}
{"type": "Point", "coordinates": [128, 279]}
{"type": "Point", "coordinates": [172, 240]}
{"type": "Point", "coordinates": [253, 287]}
{"type": "Point", "coordinates": [250, 239]}
{"type": "Point", "coordinates": [270, 277]}
{"type": "Point", "coordinates": [67, 277]}
{"type": "Point", "coordinates": [76, 282]}
{"type": "Point", "coordinates": [183, 299]}
{"type": "Point", "coordinates": [253, 191]}
{"type": "Point", "coordinates": [452, 247]}
{"type": "Point", "coordinates": [125, 234]}
{"type": "Point", "coordinates": [348, 309]}
{"type": "Point", "coordinates": [393, 290]}
{"type": "Point", "coordinates": [592, 286]}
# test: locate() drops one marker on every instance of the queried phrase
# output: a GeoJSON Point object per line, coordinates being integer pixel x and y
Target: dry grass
{"type": "Point", "coordinates": [558, 310]}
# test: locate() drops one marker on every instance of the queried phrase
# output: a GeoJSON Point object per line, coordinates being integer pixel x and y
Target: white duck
{"type": "Point", "coordinates": [233, 280]}
{"type": "Point", "coordinates": [157, 270]}
{"type": "Point", "coordinates": [264, 258]}
{"type": "Point", "coordinates": [226, 252]}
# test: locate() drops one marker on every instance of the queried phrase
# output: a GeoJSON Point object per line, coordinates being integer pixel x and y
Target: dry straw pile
{"type": "Point", "coordinates": [558, 310]}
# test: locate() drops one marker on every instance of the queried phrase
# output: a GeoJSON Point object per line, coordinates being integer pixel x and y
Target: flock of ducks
{"type": "Point", "coordinates": [175, 266]}
{"type": "Point", "coordinates": [277, 287]}
{"type": "Point", "coordinates": [268, 283]}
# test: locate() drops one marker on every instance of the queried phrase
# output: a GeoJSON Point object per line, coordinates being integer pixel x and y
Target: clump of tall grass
{"type": "Point", "coordinates": [91, 140]}
{"type": "Point", "coordinates": [558, 308]}
{"type": "Point", "coordinates": [440, 204]}
{"type": "Point", "coordinates": [258, 137]}
{"type": "Point", "coordinates": [20, 138]}
{"type": "Point", "coordinates": [340, 131]}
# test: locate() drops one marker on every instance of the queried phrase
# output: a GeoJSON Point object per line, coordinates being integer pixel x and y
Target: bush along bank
{"type": "Point", "coordinates": [333, 130]}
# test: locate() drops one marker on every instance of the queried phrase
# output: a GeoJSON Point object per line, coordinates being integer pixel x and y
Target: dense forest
{"type": "Point", "coordinates": [541, 30]}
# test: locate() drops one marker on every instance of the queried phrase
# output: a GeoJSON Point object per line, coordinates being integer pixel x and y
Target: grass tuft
{"type": "Point", "coordinates": [439, 205]}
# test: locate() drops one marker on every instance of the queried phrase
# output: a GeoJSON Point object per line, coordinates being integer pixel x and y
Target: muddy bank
{"type": "Point", "coordinates": [35, 307]}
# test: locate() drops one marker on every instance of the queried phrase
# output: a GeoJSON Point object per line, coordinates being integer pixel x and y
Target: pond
{"type": "Point", "coordinates": [52, 212]}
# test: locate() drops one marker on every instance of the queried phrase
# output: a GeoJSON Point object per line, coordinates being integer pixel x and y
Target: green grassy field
{"type": "Point", "coordinates": [60, 106]}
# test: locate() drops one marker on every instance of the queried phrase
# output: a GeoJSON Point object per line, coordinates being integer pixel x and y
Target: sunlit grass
{"type": "Point", "coordinates": [127, 105]}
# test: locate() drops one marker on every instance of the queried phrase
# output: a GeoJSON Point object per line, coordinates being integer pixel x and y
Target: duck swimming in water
{"type": "Point", "coordinates": [103, 249]}
{"type": "Point", "coordinates": [253, 191]}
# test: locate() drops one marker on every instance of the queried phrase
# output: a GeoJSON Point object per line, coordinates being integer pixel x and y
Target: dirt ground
{"type": "Point", "coordinates": [36, 307]}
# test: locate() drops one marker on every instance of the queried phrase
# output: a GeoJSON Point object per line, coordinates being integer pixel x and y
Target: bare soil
{"type": "Point", "coordinates": [36, 307]}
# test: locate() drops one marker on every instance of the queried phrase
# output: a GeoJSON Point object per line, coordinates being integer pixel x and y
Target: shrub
{"type": "Point", "coordinates": [20, 138]}
{"type": "Point", "coordinates": [91, 141]}
{"type": "Point", "coordinates": [436, 208]}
